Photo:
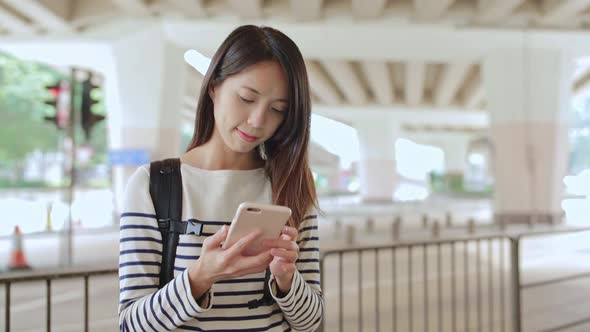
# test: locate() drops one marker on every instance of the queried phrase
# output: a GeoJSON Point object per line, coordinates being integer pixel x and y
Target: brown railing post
{"type": "Point", "coordinates": [515, 283]}
{"type": "Point", "coordinates": [7, 309]}
{"type": "Point", "coordinates": [48, 329]}
{"type": "Point", "coordinates": [86, 277]}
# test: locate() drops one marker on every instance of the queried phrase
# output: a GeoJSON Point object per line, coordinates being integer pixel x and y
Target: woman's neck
{"type": "Point", "coordinates": [213, 157]}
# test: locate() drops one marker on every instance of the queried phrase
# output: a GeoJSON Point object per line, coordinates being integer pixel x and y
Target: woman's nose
{"type": "Point", "coordinates": [257, 117]}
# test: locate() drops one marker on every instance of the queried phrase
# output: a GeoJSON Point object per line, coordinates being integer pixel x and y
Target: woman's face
{"type": "Point", "coordinates": [249, 106]}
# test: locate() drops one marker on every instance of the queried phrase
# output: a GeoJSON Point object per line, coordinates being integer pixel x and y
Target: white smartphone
{"type": "Point", "coordinates": [267, 218]}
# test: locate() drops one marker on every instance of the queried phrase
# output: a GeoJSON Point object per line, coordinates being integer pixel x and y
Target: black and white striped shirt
{"type": "Point", "coordinates": [210, 197]}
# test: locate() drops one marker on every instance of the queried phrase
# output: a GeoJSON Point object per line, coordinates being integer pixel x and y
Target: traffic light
{"type": "Point", "coordinates": [54, 93]}
{"type": "Point", "coordinates": [59, 100]}
{"type": "Point", "coordinates": [89, 118]}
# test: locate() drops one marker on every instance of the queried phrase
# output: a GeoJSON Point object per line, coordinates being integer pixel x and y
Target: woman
{"type": "Point", "coordinates": [250, 144]}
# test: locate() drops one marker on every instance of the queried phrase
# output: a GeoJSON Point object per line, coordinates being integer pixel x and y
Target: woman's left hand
{"type": "Point", "coordinates": [285, 252]}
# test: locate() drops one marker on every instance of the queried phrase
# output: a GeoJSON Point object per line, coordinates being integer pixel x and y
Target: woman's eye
{"type": "Point", "coordinates": [277, 110]}
{"type": "Point", "coordinates": [247, 101]}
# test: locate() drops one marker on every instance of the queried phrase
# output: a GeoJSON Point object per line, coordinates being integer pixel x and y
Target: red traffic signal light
{"type": "Point", "coordinates": [60, 95]}
{"type": "Point", "coordinates": [54, 93]}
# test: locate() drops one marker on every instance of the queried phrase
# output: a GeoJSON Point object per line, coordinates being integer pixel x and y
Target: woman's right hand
{"type": "Point", "coordinates": [217, 263]}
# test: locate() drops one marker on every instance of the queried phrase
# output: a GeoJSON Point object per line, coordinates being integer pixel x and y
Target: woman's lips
{"type": "Point", "coordinates": [246, 137]}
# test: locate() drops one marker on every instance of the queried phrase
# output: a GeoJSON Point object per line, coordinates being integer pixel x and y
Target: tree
{"type": "Point", "coordinates": [22, 110]}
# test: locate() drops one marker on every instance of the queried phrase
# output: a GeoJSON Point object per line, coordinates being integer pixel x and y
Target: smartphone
{"type": "Point", "coordinates": [267, 218]}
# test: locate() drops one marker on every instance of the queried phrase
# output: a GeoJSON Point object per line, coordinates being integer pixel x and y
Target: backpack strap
{"type": "Point", "coordinates": [166, 194]}
{"type": "Point", "coordinates": [266, 298]}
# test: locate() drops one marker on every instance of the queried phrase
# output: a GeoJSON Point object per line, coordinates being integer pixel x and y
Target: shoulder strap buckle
{"type": "Point", "coordinates": [193, 227]}
{"type": "Point", "coordinates": [168, 225]}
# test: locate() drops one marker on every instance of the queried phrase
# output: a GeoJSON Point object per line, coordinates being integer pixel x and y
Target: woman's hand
{"type": "Point", "coordinates": [217, 264]}
{"type": "Point", "coordinates": [285, 252]}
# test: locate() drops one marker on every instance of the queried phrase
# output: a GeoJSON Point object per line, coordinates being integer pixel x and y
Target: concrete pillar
{"type": "Point", "coordinates": [528, 94]}
{"type": "Point", "coordinates": [144, 94]}
{"type": "Point", "coordinates": [455, 148]}
{"type": "Point", "coordinates": [377, 168]}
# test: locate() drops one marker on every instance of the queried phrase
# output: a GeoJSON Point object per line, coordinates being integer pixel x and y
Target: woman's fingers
{"type": "Point", "coordinates": [285, 255]}
{"type": "Point", "coordinates": [237, 248]}
{"type": "Point", "coordinates": [282, 244]}
{"type": "Point", "coordinates": [216, 239]}
{"type": "Point", "coordinates": [250, 263]}
{"type": "Point", "coordinates": [291, 232]}
{"type": "Point", "coordinates": [280, 268]}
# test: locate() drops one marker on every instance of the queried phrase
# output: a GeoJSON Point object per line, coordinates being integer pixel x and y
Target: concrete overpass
{"type": "Point", "coordinates": [437, 70]}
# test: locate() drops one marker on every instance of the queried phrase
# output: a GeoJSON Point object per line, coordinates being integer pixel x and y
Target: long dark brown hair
{"type": "Point", "coordinates": [287, 150]}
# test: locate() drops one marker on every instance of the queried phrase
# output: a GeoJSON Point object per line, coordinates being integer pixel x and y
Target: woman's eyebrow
{"type": "Point", "coordinates": [258, 93]}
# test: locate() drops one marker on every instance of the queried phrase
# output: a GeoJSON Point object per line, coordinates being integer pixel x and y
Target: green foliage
{"type": "Point", "coordinates": [5, 183]}
{"type": "Point", "coordinates": [454, 184]}
{"type": "Point", "coordinates": [22, 109]}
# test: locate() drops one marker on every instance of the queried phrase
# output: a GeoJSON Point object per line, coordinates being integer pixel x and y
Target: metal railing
{"type": "Point", "coordinates": [534, 285]}
{"type": "Point", "coordinates": [20, 277]}
{"type": "Point", "coordinates": [498, 290]}
{"type": "Point", "coordinates": [493, 298]}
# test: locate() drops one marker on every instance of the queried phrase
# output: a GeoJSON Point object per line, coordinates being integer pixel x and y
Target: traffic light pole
{"type": "Point", "coordinates": [79, 115]}
{"type": "Point", "coordinates": [67, 232]}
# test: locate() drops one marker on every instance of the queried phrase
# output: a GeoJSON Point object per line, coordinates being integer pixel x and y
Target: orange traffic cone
{"type": "Point", "coordinates": [17, 255]}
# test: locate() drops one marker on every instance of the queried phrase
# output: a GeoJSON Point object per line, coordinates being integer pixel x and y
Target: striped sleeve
{"type": "Point", "coordinates": [142, 307]}
{"type": "Point", "coordinates": [303, 306]}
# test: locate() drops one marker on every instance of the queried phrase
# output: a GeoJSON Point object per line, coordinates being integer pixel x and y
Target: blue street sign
{"type": "Point", "coordinates": [128, 157]}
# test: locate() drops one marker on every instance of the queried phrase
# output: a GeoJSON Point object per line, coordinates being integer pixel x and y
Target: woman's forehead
{"type": "Point", "coordinates": [264, 77]}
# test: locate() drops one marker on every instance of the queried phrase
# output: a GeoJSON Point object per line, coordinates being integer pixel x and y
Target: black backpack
{"type": "Point", "coordinates": [166, 193]}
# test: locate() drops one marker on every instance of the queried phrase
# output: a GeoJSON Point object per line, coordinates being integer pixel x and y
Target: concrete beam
{"type": "Point", "coordinates": [321, 85]}
{"type": "Point", "coordinates": [346, 79]}
{"type": "Point", "coordinates": [87, 13]}
{"type": "Point", "coordinates": [368, 9]}
{"type": "Point", "coordinates": [415, 76]}
{"type": "Point", "coordinates": [431, 79]}
{"type": "Point", "coordinates": [388, 42]}
{"type": "Point", "coordinates": [431, 9]}
{"type": "Point", "coordinates": [133, 7]}
{"type": "Point", "coordinates": [404, 115]}
{"type": "Point", "coordinates": [452, 77]}
{"type": "Point", "coordinates": [380, 80]}
{"type": "Point", "coordinates": [581, 85]}
{"type": "Point", "coordinates": [492, 11]}
{"type": "Point", "coordinates": [51, 15]}
{"type": "Point", "coordinates": [250, 9]}
{"type": "Point", "coordinates": [558, 11]}
{"type": "Point", "coordinates": [13, 23]}
{"type": "Point", "coordinates": [473, 92]}
{"type": "Point", "coordinates": [193, 8]}
{"type": "Point", "coordinates": [308, 10]}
